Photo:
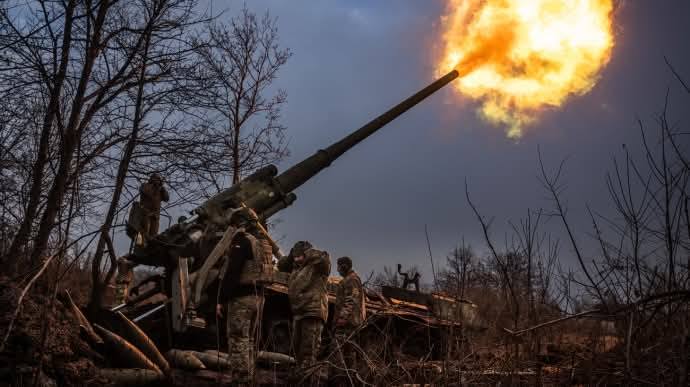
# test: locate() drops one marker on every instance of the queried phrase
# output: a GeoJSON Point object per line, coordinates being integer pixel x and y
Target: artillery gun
{"type": "Point", "coordinates": [191, 271]}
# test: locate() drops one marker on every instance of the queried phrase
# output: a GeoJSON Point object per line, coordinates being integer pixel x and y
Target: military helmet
{"type": "Point", "coordinates": [344, 261]}
{"type": "Point", "coordinates": [155, 177]}
{"type": "Point", "coordinates": [299, 248]}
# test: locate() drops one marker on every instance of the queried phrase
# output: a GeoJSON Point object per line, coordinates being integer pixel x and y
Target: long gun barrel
{"type": "Point", "coordinates": [266, 192]}
{"type": "Point", "coordinates": [300, 173]}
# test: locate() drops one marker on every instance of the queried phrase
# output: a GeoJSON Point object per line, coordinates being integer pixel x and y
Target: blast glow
{"type": "Point", "coordinates": [520, 56]}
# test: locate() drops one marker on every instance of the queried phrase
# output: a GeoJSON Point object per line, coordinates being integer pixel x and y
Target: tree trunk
{"type": "Point", "coordinates": [24, 231]}
{"type": "Point", "coordinates": [98, 289]}
{"type": "Point", "coordinates": [71, 138]}
{"type": "Point", "coordinates": [236, 156]}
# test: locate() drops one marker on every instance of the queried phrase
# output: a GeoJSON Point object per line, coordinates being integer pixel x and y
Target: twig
{"type": "Point", "coordinates": [552, 322]}
{"type": "Point", "coordinates": [431, 257]}
{"type": "Point", "coordinates": [502, 266]}
{"type": "Point", "coordinates": [551, 185]}
{"type": "Point", "coordinates": [670, 296]}
{"type": "Point", "coordinates": [21, 298]}
{"type": "Point", "coordinates": [628, 346]}
{"type": "Point", "coordinates": [673, 70]}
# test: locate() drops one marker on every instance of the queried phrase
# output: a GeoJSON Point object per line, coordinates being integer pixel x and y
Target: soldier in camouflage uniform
{"type": "Point", "coordinates": [125, 276]}
{"type": "Point", "coordinates": [308, 294]}
{"type": "Point", "coordinates": [349, 313]}
{"type": "Point", "coordinates": [151, 194]}
{"type": "Point", "coordinates": [246, 263]}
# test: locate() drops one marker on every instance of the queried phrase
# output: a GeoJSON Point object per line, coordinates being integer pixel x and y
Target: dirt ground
{"type": "Point", "coordinates": [66, 357]}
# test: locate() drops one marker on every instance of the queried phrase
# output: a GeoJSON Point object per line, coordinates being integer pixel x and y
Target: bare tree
{"type": "Point", "coordinates": [23, 51]}
{"type": "Point", "coordinates": [72, 72]}
{"type": "Point", "coordinates": [159, 62]}
{"type": "Point", "coordinates": [238, 64]}
{"type": "Point", "coordinates": [81, 77]}
{"type": "Point", "coordinates": [462, 270]}
{"type": "Point", "coordinates": [388, 277]}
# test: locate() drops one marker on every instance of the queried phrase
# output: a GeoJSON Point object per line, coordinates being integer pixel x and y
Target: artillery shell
{"type": "Point", "coordinates": [130, 376]}
{"type": "Point", "coordinates": [275, 357]}
{"type": "Point", "coordinates": [83, 321]}
{"type": "Point", "coordinates": [216, 353]}
{"type": "Point", "coordinates": [129, 353]}
{"type": "Point", "coordinates": [91, 337]}
{"type": "Point", "coordinates": [212, 360]}
{"type": "Point", "coordinates": [184, 359]}
{"type": "Point", "coordinates": [136, 336]}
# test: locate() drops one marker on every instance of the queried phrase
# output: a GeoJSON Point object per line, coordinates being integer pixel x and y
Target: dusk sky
{"type": "Point", "coordinates": [355, 59]}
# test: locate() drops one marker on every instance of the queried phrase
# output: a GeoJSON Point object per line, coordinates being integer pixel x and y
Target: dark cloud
{"type": "Point", "coordinates": [354, 59]}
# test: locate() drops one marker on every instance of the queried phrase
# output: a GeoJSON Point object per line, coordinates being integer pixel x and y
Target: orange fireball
{"type": "Point", "coordinates": [519, 56]}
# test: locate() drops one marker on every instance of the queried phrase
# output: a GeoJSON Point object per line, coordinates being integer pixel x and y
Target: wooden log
{"type": "Point", "coordinates": [130, 376]}
{"type": "Point", "coordinates": [126, 351]}
{"type": "Point", "coordinates": [141, 340]}
{"type": "Point", "coordinates": [184, 359]}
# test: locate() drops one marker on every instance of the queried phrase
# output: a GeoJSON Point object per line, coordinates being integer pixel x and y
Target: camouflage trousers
{"type": "Point", "coordinates": [124, 278]}
{"type": "Point", "coordinates": [151, 224]}
{"type": "Point", "coordinates": [242, 325]}
{"type": "Point", "coordinates": [343, 356]}
{"type": "Point", "coordinates": [306, 341]}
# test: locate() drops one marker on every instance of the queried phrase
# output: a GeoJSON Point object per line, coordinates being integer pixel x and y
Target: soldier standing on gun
{"type": "Point", "coordinates": [349, 314]}
{"type": "Point", "coordinates": [249, 256]}
{"type": "Point", "coordinates": [152, 194]}
{"type": "Point", "coordinates": [308, 294]}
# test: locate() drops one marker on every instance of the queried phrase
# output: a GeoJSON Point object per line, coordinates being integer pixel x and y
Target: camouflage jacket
{"type": "Point", "coordinates": [349, 301]}
{"type": "Point", "coordinates": [308, 284]}
{"type": "Point", "coordinates": [152, 196]}
{"type": "Point", "coordinates": [247, 262]}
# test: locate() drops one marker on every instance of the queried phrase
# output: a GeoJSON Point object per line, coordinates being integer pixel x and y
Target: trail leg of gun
{"type": "Point", "coordinates": [216, 253]}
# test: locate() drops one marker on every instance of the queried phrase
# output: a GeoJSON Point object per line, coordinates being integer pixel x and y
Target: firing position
{"type": "Point", "coordinates": [308, 294]}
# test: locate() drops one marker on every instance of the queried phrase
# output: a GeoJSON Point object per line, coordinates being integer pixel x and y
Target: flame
{"type": "Point", "coordinates": [519, 56]}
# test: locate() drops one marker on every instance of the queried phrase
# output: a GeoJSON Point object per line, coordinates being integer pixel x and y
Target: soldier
{"type": "Point", "coordinates": [124, 278]}
{"type": "Point", "coordinates": [143, 220]}
{"type": "Point", "coordinates": [349, 314]}
{"type": "Point", "coordinates": [152, 194]}
{"type": "Point", "coordinates": [248, 257]}
{"type": "Point", "coordinates": [308, 294]}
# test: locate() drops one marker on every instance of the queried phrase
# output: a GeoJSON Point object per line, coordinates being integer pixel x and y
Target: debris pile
{"type": "Point", "coordinates": [64, 357]}
{"type": "Point", "coordinates": [76, 352]}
